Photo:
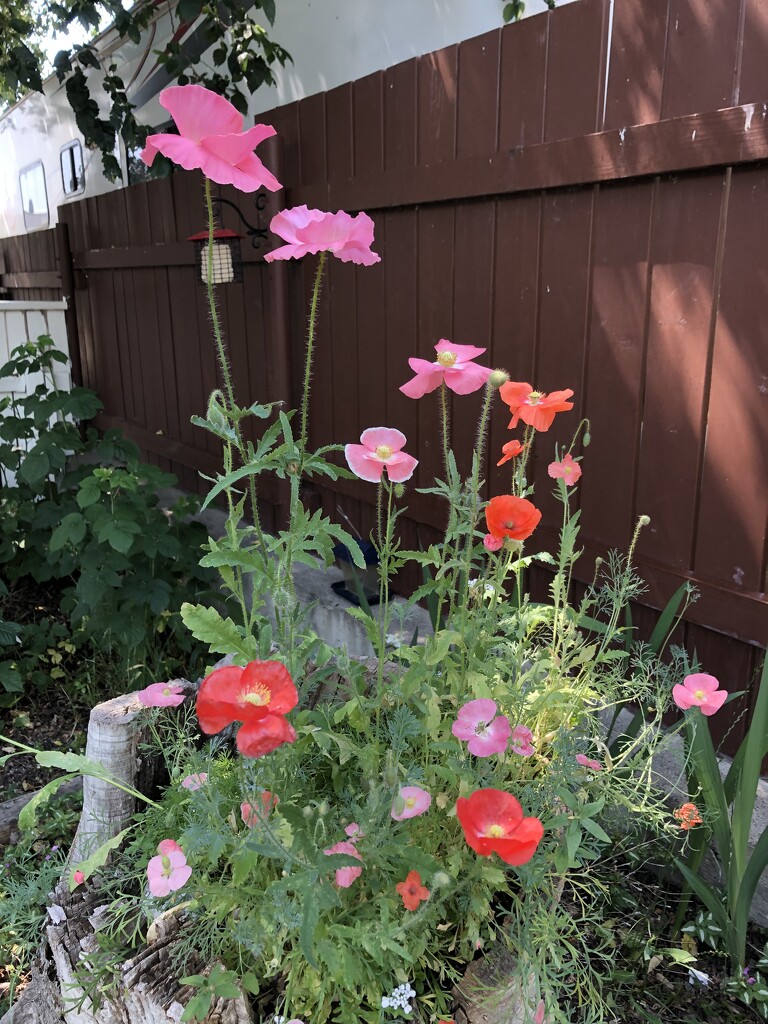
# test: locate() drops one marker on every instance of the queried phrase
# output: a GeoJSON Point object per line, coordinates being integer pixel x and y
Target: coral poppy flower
{"type": "Point", "coordinates": [345, 876]}
{"type": "Point", "coordinates": [161, 695]}
{"type": "Point", "coordinates": [78, 878]}
{"type": "Point", "coordinates": [588, 762]}
{"type": "Point", "coordinates": [412, 891]}
{"type": "Point", "coordinates": [251, 814]}
{"type": "Point", "coordinates": [508, 516]}
{"type": "Point", "coordinates": [347, 238]}
{"type": "Point", "coordinates": [477, 722]}
{"type": "Point", "coordinates": [511, 450]}
{"type": "Point", "coordinates": [211, 138]}
{"type": "Point", "coordinates": [493, 822]}
{"type": "Point", "coordinates": [380, 449]}
{"type": "Point", "coordinates": [688, 816]}
{"type": "Point", "coordinates": [567, 469]}
{"type": "Point", "coordinates": [533, 407]}
{"type": "Point", "coordinates": [521, 741]}
{"type": "Point", "coordinates": [169, 871]}
{"type": "Point", "coordinates": [259, 696]}
{"type": "Point", "coordinates": [700, 691]}
{"type": "Point", "coordinates": [410, 802]}
{"type": "Point", "coordinates": [453, 365]}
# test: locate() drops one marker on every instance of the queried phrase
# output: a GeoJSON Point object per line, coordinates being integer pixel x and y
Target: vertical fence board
{"type": "Point", "coordinates": [478, 95]}
{"type": "Point", "coordinates": [731, 534]}
{"type": "Point", "coordinates": [682, 268]}
{"type": "Point", "coordinates": [575, 69]}
{"type": "Point", "coordinates": [636, 67]}
{"type": "Point", "coordinates": [438, 78]}
{"type": "Point", "coordinates": [522, 77]}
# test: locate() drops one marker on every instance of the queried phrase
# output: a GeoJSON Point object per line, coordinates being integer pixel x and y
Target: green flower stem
{"type": "Point", "coordinates": [385, 553]}
{"type": "Point", "coordinates": [231, 408]}
{"type": "Point", "coordinates": [445, 425]}
{"type": "Point", "coordinates": [308, 361]}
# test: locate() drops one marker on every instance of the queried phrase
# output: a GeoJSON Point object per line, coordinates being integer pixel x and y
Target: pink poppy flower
{"type": "Point", "coordinates": [345, 876]}
{"type": "Point", "coordinates": [538, 1017]}
{"type": "Point", "coordinates": [252, 815]}
{"type": "Point", "coordinates": [311, 231]}
{"type": "Point", "coordinates": [169, 871]}
{"type": "Point", "coordinates": [486, 733]}
{"type": "Point", "coordinates": [354, 832]}
{"type": "Point", "coordinates": [380, 448]}
{"type": "Point", "coordinates": [700, 691]}
{"type": "Point", "coordinates": [211, 138]}
{"type": "Point", "coordinates": [410, 802]}
{"type": "Point", "coordinates": [78, 877]}
{"type": "Point", "coordinates": [491, 543]}
{"type": "Point", "coordinates": [453, 365]}
{"type": "Point", "coordinates": [521, 741]}
{"type": "Point", "coordinates": [195, 781]}
{"type": "Point", "coordinates": [567, 469]}
{"type": "Point", "coordinates": [161, 695]}
{"type": "Point", "coordinates": [588, 762]}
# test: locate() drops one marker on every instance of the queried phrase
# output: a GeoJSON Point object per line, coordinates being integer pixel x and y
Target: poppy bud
{"type": "Point", "coordinates": [497, 378]}
{"type": "Point", "coordinates": [643, 520]}
{"type": "Point", "coordinates": [399, 490]}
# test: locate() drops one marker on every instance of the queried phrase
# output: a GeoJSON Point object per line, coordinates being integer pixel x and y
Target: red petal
{"type": "Point", "coordinates": [276, 677]}
{"type": "Point", "coordinates": [217, 699]}
{"type": "Point", "coordinates": [258, 738]}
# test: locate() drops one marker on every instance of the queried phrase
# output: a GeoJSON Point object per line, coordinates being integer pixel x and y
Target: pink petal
{"type": "Point", "coordinates": [701, 681]}
{"type": "Point", "coordinates": [252, 170]}
{"type": "Point", "coordinates": [361, 255]}
{"type": "Point", "coordinates": [477, 711]}
{"type": "Point", "coordinates": [682, 697]}
{"type": "Point", "coordinates": [375, 436]}
{"type": "Point", "coordinates": [287, 223]}
{"type": "Point", "coordinates": [362, 465]}
{"type": "Point", "coordinates": [714, 702]}
{"type": "Point", "coordinates": [237, 146]}
{"type": "Point", "coordinates": [466, 379]}
{"type": "Point", "coordinates": [182, 151]}
{"type": "Point", "coordinates": [168, 846]}
{"type": "Point", "coordinates": [463, 353]}
{"type": "Point", "coordinates": [286, 252]}
{"type": "Point", "coordinates": [400, 467]}
{"type": "Point", "coordinates": [199, 112]}
{"type": "Point", "coordinates": [424, 382]}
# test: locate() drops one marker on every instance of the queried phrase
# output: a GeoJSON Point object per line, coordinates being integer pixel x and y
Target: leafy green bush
{"type": "Point", "coordinates": [93, 565]}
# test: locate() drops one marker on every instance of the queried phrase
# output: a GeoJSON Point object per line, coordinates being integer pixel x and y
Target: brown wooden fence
{"type": "Point", "coordinates": [586, 194]}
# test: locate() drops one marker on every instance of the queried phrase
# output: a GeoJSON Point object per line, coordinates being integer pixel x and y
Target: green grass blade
{"type": "Point", "coordinates": [752, 874]}
{"type": "Point", "coordinates": [744, 799]}
{"type": "Point", "coordinates": [706, 894]}
{"type": "Point", "coordinates": [704, 763]}
{"type": "Point", "coordinates": [666, 622]}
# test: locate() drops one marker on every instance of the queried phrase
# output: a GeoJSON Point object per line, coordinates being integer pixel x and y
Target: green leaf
{"type": "Point", "coordinates": [35, 468]}
{"type": "Point", "coordinates": [69, 762]}
{"type": "Point", "coordinates": [9, 633]}
{"type": "Point", "coordinates": [99, 857]}
{"type": "Point", "coordinates": [757, 864]}
{"type": "Point", "coordinates": [706, 894]}
{"type": "Point", "coordinates": [666, 622]}
{"type": "Point", "coordinates": [28, 815]}
{"type": "Point", "coordinates": [705, 771]}
{"type": "Point", "coordinates": [221, 635]}
{"type": "Point", "coordinates": [594, 829]}
{"type": "Point", "coordinates": [746, 793]}
{"type": "Point", "coordinates": [70, 530]}
{"type": "Point", "coordinates": [308, 927]}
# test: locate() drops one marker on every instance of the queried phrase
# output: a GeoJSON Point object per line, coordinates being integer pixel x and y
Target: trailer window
{"type": "Point", "coordinates": [72, 172]}
{"type": "Point", "coordinates": [34, 198]}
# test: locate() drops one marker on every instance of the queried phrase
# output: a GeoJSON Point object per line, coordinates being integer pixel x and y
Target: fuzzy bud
{"type": "Point", "coordinates": [306, 812]}
{"type": "Point", "coordinates": [497, 378]}
{"type": "Point", "coordinates": [441, 879]}
{"type": "Point", "coordinates": [587, 438]}
{"type": "Point", "coordinates": [644, 521]}
{"type": "Point", "coordinates": [322, 809]}
{"type": "Point", "coordinates": [399, 490]}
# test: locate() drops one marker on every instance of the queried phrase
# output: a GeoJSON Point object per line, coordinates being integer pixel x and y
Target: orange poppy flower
{"type": "Point", "coordinates": [511, 449]}
{"type": "Point", "coordinates": [412, 891]}
{"type": "Point", "coordinates": [535, 408]}
{"type": "Point", "coordinates": [688, 816]}
{"type": "Point", "coordinates": [508, 516]}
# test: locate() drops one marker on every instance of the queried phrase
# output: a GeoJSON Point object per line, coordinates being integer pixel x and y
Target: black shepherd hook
{"type": "Point", "coordinates": [255, 234]}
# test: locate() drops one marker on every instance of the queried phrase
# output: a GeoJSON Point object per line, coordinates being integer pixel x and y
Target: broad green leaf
{"type": "Point", "coordinates": [68, 762]}
{"type": "Point", "coordinates": [704, 764]}
{"type": "Point", "coordinates": [706, 894]}
{"type": "Point", "coordinates": [9, 633]}
{"type": "Point", "coordinates": [221, 635]}
{"type": "Point", "coordinates": [594, 829]}
{"type": "Point", "coordinates": [35, 468]}
{"type": "Point", "coordinates": [28, 815]}
{"type": "Point", "coordinates": [755, 868]}
{"type": "Point", "coordinates": [746, 792]}
{"type": "Point", "coordinates": [99, 857]}
{"type": "Point", "coordinates": [666, 622]}
{"type": "Point", "coordinates": [308, 925]}
{"type": "Point", "coordinates": [70, 530]}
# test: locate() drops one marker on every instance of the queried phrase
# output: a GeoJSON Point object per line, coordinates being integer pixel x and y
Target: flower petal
{"type": "Point", "coordinates": [375, 436]}
{"type": "Point", "coordinates": [361, 464]}
{"type": "Point", "coordinates": [468, 378]}
{"type": "Point", "coordinates": [400, 468]}
{"type": "Point", "coordinates": [198, 111]}
{"type": "Point", "coordinates": [262, 737]}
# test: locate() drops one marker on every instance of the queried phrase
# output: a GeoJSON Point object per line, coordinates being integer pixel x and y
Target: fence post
{"type": "Point", "coordinates": [68, 294]}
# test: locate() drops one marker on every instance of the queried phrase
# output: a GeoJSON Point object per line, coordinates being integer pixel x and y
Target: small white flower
{"type": "Point", "coordinates": [697, 976]}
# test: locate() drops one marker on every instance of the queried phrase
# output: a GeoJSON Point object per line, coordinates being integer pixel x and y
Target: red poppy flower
{"type": "Point", "coordinates": [412, 891]}
{"type": "Point", "coordinates": [533, 407]}
{"type": "Point", "coordinates": [493, 822]}
{"type": "Point", "coordinates": [508, 516]}
{"type": "Point", "coordinates": [259, 696]}
{"type": "Point", "coordinates": [510, 450]}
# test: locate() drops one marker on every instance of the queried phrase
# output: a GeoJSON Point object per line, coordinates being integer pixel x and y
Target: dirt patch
{"type": "Point", "coordinates": [46, 726]}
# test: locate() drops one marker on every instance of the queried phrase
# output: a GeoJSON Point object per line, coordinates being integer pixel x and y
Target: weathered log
{"type": "Point", "coordinates": [11, 809]}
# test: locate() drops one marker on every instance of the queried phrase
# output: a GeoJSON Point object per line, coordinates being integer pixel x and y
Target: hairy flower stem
{"type": "Point", "coordinates": [445, 425]}
{"type": "Point", "coordinates": [308, 361]}
{"type": "Point", "coordinates": [226, 376]}
{"type": "Point", "coordinates": [385, 554]}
